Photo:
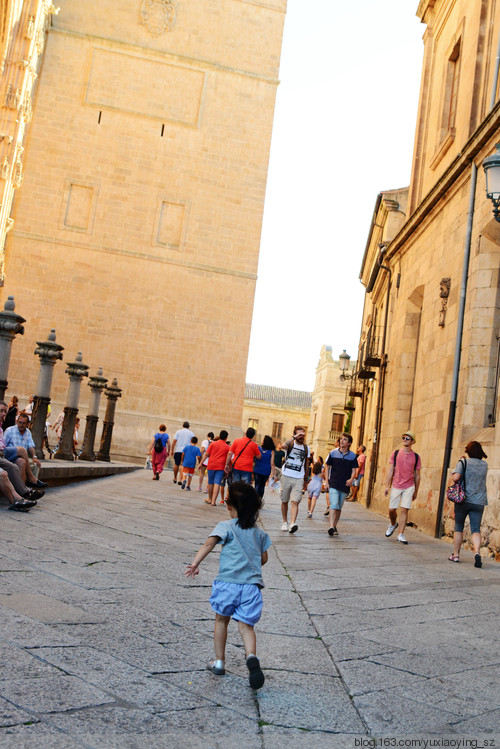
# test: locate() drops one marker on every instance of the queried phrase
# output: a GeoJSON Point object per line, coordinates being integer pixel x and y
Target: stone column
{"type": "Point", "coordinates": [97, 383]}
{"type": "Point", "coordinates": [10, 326]}
{"type": "Point", "coordinates": [49, 352]}
{"type": "Point", "coordinates": [112, 392]}
{"type": "Point", "coordinates": [76, 371]}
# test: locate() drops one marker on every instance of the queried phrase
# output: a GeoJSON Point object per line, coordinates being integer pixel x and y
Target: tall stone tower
{"type": "Point", "coordinates": [137, 229]}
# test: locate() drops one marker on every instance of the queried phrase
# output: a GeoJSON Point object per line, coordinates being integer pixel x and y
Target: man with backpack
{"type": "Point", "coordinates": [404, 474]}
{"type": "Point", "coordinates": [294, 477]}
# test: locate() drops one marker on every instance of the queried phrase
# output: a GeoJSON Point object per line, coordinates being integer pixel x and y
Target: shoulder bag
{"type": "Point", "coordinates": [456, 492]}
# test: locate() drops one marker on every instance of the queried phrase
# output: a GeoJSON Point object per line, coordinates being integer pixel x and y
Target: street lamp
{"type": "Point", "coordinates": [491, 166]}
{"type": "Point", "coordinates": [344, 360]}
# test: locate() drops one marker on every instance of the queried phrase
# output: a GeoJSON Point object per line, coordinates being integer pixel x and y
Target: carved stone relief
{"type": "Point", "coordinates": [157, 16]}
{"type": "Point", "coordinates": [17, 177]}
{"type": "Point", "coordinates": [12, 97]}
{"type": "Point", "coordinates": [444, 293]}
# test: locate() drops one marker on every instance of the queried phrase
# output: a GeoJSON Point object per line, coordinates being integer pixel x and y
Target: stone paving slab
{"type": "Point", "coordinates": [105, 641]}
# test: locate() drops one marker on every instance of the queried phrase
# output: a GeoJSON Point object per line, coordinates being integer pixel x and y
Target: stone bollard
{"type": "Point", "coordinates": [49, 352]}
{"type": "Point", "coordinates": [76, 371]}
{"type": "Point", "coordinates": [10, 326]}
{"type": "Point", "coordinates": [97, 383]}
{"type": "Point", "coordinates": [112, 392]}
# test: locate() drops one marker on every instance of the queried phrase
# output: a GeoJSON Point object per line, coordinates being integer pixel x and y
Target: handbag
{"type": "Point", "coordinates": [456, 492]}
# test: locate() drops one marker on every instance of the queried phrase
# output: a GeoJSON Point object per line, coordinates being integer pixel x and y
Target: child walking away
{"type": "Point", "coordinates": [314, 488]}
{"type": "Point", "coordinates": [236, 591]}
{"type": "Point", "coordinates": [190, 455]}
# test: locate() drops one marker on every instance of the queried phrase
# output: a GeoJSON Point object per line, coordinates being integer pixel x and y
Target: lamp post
{"type": "Point", "coordinates": [491, 166]}
{"type": "Point", "coordinates": [344, 360]}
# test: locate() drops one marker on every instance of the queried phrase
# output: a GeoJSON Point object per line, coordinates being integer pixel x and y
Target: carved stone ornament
{"type": "Point", "coordinates": [12, 97]}
{"type": "Point", "coordinates": [444, 293]}
{"type": "Point", "coordinates": [157, 16]}
{"type": "Point", "coordinates": [17, 179]}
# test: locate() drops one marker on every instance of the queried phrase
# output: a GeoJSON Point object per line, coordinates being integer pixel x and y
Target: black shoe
{"type": "Point", "coordinates": [20, 507]}
{"type": "Point", "coordinates": [335, 531]}
{"type": "Point", "coordinates": [37, 484]}
{"type": "Point", "coordinates": [33, 494]}
{"type": "Point", "coordinates": [478, 562]}
{"type": "Point", "coordinates": [327, 512]}
{"type": "Point", "coordinates": [331, 531]}
{"type": "Point", "coordinates": [256, 676]}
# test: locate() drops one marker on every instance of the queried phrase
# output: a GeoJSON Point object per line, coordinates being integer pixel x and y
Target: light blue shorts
{"type": "Point", "coordinates": [241, 602]}
{"type": "Point", "coordinates": [337, 499]}
{"type": "Point", "coordinates": [10, 453]}
{"type": "Point", "coordinates": [215, 477]}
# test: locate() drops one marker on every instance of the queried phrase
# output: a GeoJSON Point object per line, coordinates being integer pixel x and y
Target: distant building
{"type": "Point", "coordinates": [275, 411]}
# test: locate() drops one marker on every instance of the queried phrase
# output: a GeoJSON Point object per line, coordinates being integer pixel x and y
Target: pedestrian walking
{"type": "Point", "coordinates": [314, 488]}
{"type": "Point", "coordinates": [360, 472]}
{"type": "Point", "coordinates": [204, 459]}
{"type": "Point", "coordinates": [241, 456]}
{"type": "Point", "coordinates": [472, 471]}
{"type": "Point", "coordinates": [159, 450]}
{"type": "Point", "coordinates": [217, 454]}
{"type": "Point", "coordinates": [341, 465]}
{"type": "Point", "coordinates": [182, 437]}
{"type": "Point", "coordinates": [264, 467]}
{"type": "Point", "coordinates": [295, 474]}
{"type": "Point", "coordinates": [404, 474]}
{"type": "Point", "coordinates": [190, 455]}
{"type": "Point", "coordinates": [236, 591]}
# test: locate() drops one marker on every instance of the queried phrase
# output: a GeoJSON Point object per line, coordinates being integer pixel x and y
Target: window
{"type": "Point", "coordinates": [254, 423]}
{"type": "Point", "coordinates": [337, 422]}
{"type": "Point", "coordinates": [451, 91]}
{"type": "Point", "coordinates": [277, 430]}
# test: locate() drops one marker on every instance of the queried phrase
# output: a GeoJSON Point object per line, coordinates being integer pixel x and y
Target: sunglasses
{"type": "Point", "coordinates": [405, 438]}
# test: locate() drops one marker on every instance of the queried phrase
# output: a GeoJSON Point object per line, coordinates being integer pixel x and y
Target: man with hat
{"type": "Point", "coordinates": [404, 474]}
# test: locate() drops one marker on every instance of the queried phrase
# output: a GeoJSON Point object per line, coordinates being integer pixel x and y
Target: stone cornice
{"type": "Point", "coordinates": [170, 56]}
{"type": "Point", "coordinates": [485, 132]}
{"type": "Point", "coordinates": [143, 255]}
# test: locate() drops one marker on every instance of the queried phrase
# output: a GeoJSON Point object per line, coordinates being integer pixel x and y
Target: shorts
{"type": "Point", "coordinates": [188, 469]}
{"type": "Point", "coordinates": [357, 482]}
{"type": "Point", "coordinates": [245, 476]}
{"type": "Point", "coordinates": [314, 495]}
{"type": "Point", "coordinates": [10, 453]}
{"type": "Point", "coordinates": [337, 499]}
{"type": "Point", "coordinates": [291, 489]}
{"type": "Point", "coordinates": [177, 458]}
{"type": "Point", "coordinates": [475, 513]}
{"type": "Point", "coordinates": [401, 498]}
{"type": "Point", "coordinates": [243, 603]}
{"type": "Point", "coordinates": [215, 477]}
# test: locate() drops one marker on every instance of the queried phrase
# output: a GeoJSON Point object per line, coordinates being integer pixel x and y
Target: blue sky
{"type": "Point", "coordinates": [343, 131]}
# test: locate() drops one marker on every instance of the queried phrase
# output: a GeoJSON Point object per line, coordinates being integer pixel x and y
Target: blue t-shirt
{"type": "Point", "coordinates": [263, 465]}
{"type": "Point", "coordinates": [240, 556]}
{"type": "Point", "coordinates": [163, 436]}
{"type": "Point", "coordinates": [191, 452]}
{"type": "Point", "coordinates": [341, 465]}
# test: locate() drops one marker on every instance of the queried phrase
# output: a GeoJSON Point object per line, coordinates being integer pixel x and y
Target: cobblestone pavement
{"type": "Point", "coordinates": [104, 641]}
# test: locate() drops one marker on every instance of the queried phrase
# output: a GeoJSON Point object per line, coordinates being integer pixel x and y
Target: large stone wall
{"type": "Point", "coordinates": [137, 229]}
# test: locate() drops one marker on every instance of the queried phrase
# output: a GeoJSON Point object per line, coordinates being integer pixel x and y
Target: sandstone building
{"type": "Point", "coordinates": [275, 411]}
{"type": "Point", "coordinates": [136, 230]}
{"type": "Point", "coordinates": [412, 270]}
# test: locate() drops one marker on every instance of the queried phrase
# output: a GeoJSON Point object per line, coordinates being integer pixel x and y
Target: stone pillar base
{"type": "Point", "coordinates": [89, 438]}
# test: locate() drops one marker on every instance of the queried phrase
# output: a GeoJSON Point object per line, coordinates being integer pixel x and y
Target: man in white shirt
{"type": "Point", "coordinates": [182, 438]}
{"type": "Point", "coordinates": [294, 476]}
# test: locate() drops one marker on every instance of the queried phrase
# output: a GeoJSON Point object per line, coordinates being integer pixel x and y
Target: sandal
{"type": "Point", "coordinates": [454, 558]}
{"type": "Point", "coordinates": [20, 506]}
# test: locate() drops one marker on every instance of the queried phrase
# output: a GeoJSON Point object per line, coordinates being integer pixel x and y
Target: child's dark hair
{"type": "Point", "coordinates": [317, 468]}
{"type": "Point", "coordinates": [194, 440]}
{"type": "Point", "coordinates": [246, 502]}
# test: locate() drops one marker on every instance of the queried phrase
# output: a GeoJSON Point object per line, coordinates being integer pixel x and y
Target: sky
{"type": "Point", "coordinates": [343, 131]}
